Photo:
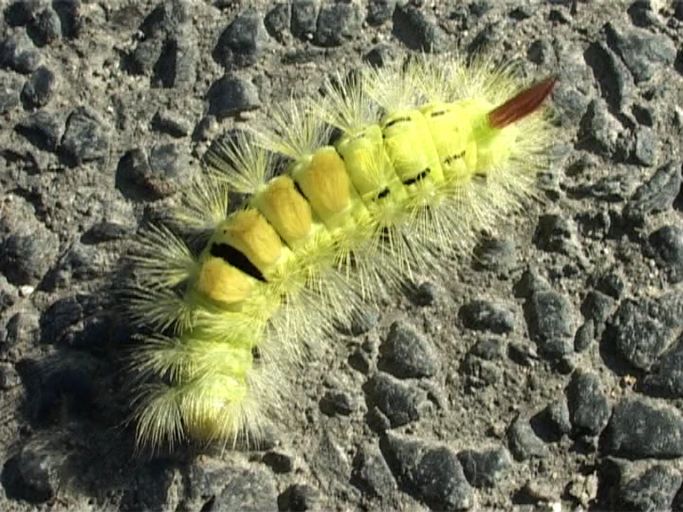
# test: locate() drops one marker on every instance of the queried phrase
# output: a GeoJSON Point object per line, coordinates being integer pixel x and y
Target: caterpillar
{"type": "Point", "coordinates": [391, 171]}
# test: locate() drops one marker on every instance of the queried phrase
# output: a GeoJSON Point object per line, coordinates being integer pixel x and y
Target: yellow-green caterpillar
{"type": "Point", "coordinates": [426, 156]}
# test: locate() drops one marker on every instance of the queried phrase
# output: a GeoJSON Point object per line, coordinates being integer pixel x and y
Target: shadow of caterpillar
{"type": "Point", "coordinates": [428, 155]}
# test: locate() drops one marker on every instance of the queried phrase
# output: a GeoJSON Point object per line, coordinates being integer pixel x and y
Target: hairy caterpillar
{"type": "Point", "coordinates": [425, 157]}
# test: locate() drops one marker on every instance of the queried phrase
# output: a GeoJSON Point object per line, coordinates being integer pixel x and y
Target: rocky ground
{"type": "Point", "coordinates": [547, 372]}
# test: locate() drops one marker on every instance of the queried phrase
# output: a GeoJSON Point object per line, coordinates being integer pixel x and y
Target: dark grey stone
{"type": "Point", "coordinates": [523, 353]}
{"type": "Point", "coordinates": [304, 17]}
{"type": "Point", "coordinates": [231, 486]}
{"type": "Point", "coordinates": [400, 403]}
{"type": "Point", "coordinates": [278, 20]}
{"type": "Point", "coordinates": [330, 460]}
{"type": "Point", "coordinates": [337, 23]}
{"type": "Point", "coordinates": [585, 335]}
{"type": "Point", "coordinates": [110, 229]}
{"type": "Point", "coordinates": [656, 195]}
{"type": "Point", "coordinates": [570, 102]}
{"type": "Point", "coordinates": [641, 50]}
{"type": "Point", "coordinates": [167, 163]}
{"type": "Point", "coordinates": [299, 498]}
{"type": "Point", "coordinates": [28, 253]}
{"type": "Point", "coordinates": [616, 83]}
{"type": "Point", "coordinates": [204, 128]}
{"type": "Point", "coordinates": [666, 377]}
{"type": "Point", "coordinates": [279, 462]}
{"type": "Point", "coordinates": [599, 131]}
{"type": "Point", "coordinates": [230, 95]}
{"type": "Point", "coordinates": [541, 52]}
{"type": "Point", "coordinates": [550, 320]}
{"type": "Point", "coordinates": [523, 12]}
{"type": "Point", "coordinates": [23, 328]}
{"type": "Point", "coordinates": [645, 147]}
{"type": "Point", "coordinates": [242, 42]}
{"type": "Point", "coordinates": [18, 53]}
{"type": "Point", "coordinates": [80, 263]}
{"type": "Point", "coordinates": [666, 244]}
{"type": "Point", "coordinates": [425, 294]}
{"type": "Point", "coordinates": [145, 55]}
{"type": "Point", "coordinates": [484, 315]}
{"type": "Point", "coordinates": [405, 354]}
{"type": "Point", "coordinates": [641, 429]}
{"type": "Point", "coordinates": [380, 11]}
{"type": "Point", "coordinates": [168, 51]}
{"type": "Point", "coordinates": [337, 402]}
{"type": "Point", "coordinates": [8, 297]}
{"type": "Point", "coordinates": [64, 386]}
{"type": "Point", "coordinates": [611, 189]}
{"type": "Point", "coordinates": [361, 361]}
{"type": "Point", "coordinates": [557, 418]}
{"type": "Point", "coordinates": [46, 27]}
{"type": "Point", "coordinates": [653, 489]}
{"type": "Point", "coordinates": [371, 473]}
{"type": "Point", "coordinates": [159, 175]}
{"type": "Point", "coordinates": [380, 55]}
{"type": "Point", "coordinates": [644, 114]}
{"type": "Point", "coordinates": [523, 441]}
{"type": "Point", "coordinates": [678, 9]}
{"type": "Point", "coordinates": [560, 16]}
{"type": "Point", "coordinates": [641, 13]}
{"type": "Point", "coordinates": [489, 349]}
{"type": "Point", "coordinates": [480, 371]}
{"type": "Point", "coordinates": [530, 283]}
{"type": "Point", "coordinates": [70, 19]}
{"type": "Point", "coordinates": [43, 129]}
{"type": "Point", "coordinates": [39, 88]}
{"type": "Point", "coordinates": [430, 474]}
{"type": "Point", "coordinates": [598, 307]}
{"type": "Point", "coordinates": [419, 31]}
{"type": "Point", "coordinates": [496, 254]}
{"type": "Point", "coordinates": [589, 409]}
{"type": "Point", "coordinates": [85, 138]}
{"type": "Point", "coordinates": [612, 284]}
{"type": "Point", "coordinates": [555, 233]}
{"type": "Point", "coordinates": [171, 123]}
{"type": "Point", "coordinates": [166, 18]}
{"type": "Point", "coordinates": [486, 38]}
{"type": "Point", "coordinates": [20, 12]}
{"type": "Point", "coordinates": [71, 321]}
{"type": "Point", "coordinates": [642, 330]}
{"type": "Point", "coordinates": [177, 62]}
{"type": "Point", "coordinates": [485, 468]}
{"type": "Point", "coordinates": [153, 489]}
{"type": "Point", "coordinates": [36, 473]}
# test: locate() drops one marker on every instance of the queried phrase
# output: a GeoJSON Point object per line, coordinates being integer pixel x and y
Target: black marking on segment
{"type": "Point", "coordinates": [437, 113]}
{"type": "Point", "coordinates": [298, 189]}
{"type": "Point", "coordinates": [396, 121]}
{"type": "Point", "coordinates": [418, 177]}
{"type": "Point", "coordinates": [237, 259]}
{"type": "Point", "coordinates": [481, 177]}
{"type": "Point", "coordinates": [384, 193]}
{"type": "Point", "coordinates": [451, 158]}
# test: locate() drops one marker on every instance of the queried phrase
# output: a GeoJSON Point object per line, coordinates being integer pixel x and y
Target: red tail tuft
{"type": "Point", "coordinates": [522, 104]}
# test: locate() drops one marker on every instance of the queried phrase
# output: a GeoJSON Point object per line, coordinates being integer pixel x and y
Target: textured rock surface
{"type": "Point", "coordinates": [543, 370]}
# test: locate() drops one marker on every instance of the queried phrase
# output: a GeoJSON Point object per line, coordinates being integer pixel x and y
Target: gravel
{"type": "Point", "coordinates": [544, 370]}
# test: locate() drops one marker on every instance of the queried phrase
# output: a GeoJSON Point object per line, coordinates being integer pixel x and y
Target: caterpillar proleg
{"type": "Point", "coordinates": [423, 158]}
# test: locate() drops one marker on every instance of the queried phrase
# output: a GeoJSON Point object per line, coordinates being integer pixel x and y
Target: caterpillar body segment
{"type": "Point", "coordinates": [427, 156]}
